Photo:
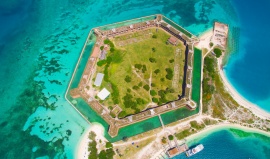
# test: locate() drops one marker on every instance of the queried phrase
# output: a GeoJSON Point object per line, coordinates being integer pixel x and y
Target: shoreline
{"type": "Point", "coordinates": [239, 98]}
{"type": "Point", "coordinates": [215, 128]}
{"type": "Point", "coordinates": [204, 43]}
{"type": "Point", "coordinates": [224, 126]}
{"type": "Point", "coordinates": [82, 147]}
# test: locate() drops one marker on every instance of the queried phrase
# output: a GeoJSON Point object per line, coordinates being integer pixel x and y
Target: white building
{"type": "Point", "coordinates": [103, 94]}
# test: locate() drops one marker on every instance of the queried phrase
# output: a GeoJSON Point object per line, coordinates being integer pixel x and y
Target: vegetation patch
{"type": "Point", "coordinates": [137, 73]}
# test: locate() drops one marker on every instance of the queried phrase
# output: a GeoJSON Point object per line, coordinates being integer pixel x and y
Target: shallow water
{"type": "Point", "coordinates": [40, 42]}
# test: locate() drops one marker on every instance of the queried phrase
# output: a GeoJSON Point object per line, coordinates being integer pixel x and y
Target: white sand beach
{"type": "Point", "coordinates": [221, 126]}
{"type": "Point", "coordinates": [240, 99]}
{"type": "Point", "coordinates": [205, 39]}
{"type": "Point", "coordinates": [82, 149]}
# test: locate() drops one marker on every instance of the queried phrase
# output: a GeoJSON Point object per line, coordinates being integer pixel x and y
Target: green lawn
{"type": "Point", "coordinates": [143, 70]}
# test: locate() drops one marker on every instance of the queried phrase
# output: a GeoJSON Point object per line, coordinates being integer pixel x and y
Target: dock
{"type": "Point", "coordinates": [177, 150]}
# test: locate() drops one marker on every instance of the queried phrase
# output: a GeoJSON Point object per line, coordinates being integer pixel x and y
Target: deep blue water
{"type": "Point", "coordinates": [40, 42]}
{"type": "Point", "coordinates": [248, 70]}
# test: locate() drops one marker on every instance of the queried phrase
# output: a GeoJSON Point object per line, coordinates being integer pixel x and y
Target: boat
{"type": "Point", "coordinates": [194, 150]}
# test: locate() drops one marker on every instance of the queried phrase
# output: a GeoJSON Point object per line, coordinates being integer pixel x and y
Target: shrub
{"type": "Point", "coordinates": [153, 92]}
{"type": "Point", "coordinates": [144, 69]}
{"type": "Point", "coordinates": [169, 76]}
{"type": "Point", "coordinates": [112, 49]}
{"type": "Point", "coordinates": [153, 84]}
{"type": "Point", "coordinates": [128, 79]}
{"type": "Point", "coordinates": [169, 70]}
{"type": "Point", "coordinates": [108, 145]}
{"type": "Point", "coordinates": [211, 44]}
{"type": "Point", "coordinates": [112, 115]}
{"type": "Point", "coordinates": [154, 49]}
{"type": "Point", "coordinates": [162, 79]}
{"type": "Point", "coordinates": [115, 94]}
{"type": "Point", "coordinates": [102, 154]}
{"type": "Point", "coordinates": [117, 56]}
{"type": "Point", "coordinates": [128, 90]}
{"type": "Point", "coordinates": [140, 101]}
{"type": "Point", "coordinates": [156, 71]}
{"type": "Point", "coordinates": [128, 102]}
{"type": "Point", "coordinates": [140, 84]}
{"type": "Point", "coordinates": [218, 52]}
{"type": "Point", "coordinates": [122, 114]}
{"type": "Point", "coordinates": [155, 100]}
{"type": "Point", "coordinates": [170, 137]}
{"type": "Point", "coordinates": [171, 60]}
{"type": "Point", "coordinates": [152, 60]}
{"type": "Point", "coordinates": [101, 47]}
{"type": "Point", "coordinates": [107, 41]}
{"type": "Point", "coordinates": [154, 36]}
{"type": "Point", "coordinates": [164, 140]}
{"type": "Point", "coordinates": [135, 87]}
{"type": "Point", "coordinates": [146, 87]}
{"type": "Point", "coordinates": [101, 63]}
{"type": "Point", "coordinates": [138, 66]}
{"type": "Point", "coordinates": [109, 60]}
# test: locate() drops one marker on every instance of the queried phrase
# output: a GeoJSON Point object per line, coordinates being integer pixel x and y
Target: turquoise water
{"type": "Point", "coordinates": [40, 42]}
{"type": "Point", "coordinates": [232, 144]}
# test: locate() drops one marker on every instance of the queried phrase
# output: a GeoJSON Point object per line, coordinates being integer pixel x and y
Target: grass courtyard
{"type": "Point", "coordinates": [142, 70]}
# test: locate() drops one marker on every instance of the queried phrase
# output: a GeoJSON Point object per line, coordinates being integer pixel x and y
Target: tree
{"type": "Point", "coordinates": [135, 87]}
{"type": "Point", "coordinates": [218, 52]}
{"type": "Point", "coordinates": [211, 44]}
{"type": "Point", "coordinates": [169, 76]}
{"type": "Point", "coordinates": [155, 100]}
{"type": "Point", "coordinates": [128, 90]}
{"type": "Point", "coordinates": [146, 87]}
{"type": "Point", "coordinates": [138, 66]}
{"type": "Point", "coordinates": [128, 79]}
{"type": "Point", "coordinates": [122, 114]}
{"type": "Point", "coordinates": [102, 155]}
{"type": "Point", "coordinates": [156, 71]}
{"type": "Point", "coordinates": [144, 69]}
{"type": "Point", "coordinates": [152, 60]}
{"type": "Point", "coordinates": [101, 47]}
{"type": "Point", "coordinates": [164, 140]}
{"type": "Point", "coordinates": [153, 92]}
{"type": "Point", "coordinates": [108, 145]}
{"type": "Point", "coordinates": [101, 62]}
{"type": "Point", "coordinates": [170, 137]}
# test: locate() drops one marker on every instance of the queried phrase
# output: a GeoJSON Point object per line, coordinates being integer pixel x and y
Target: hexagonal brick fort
{"type": "Point", "coordinates": [86, 82]}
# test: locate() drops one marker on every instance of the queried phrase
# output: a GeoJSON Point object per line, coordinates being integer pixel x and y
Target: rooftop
{"type": "Point", "coordinates": [99, 79]}
{"type": "Point", "coordinates": [103, 94]}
